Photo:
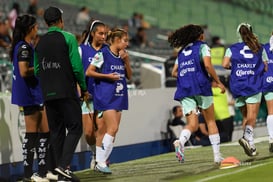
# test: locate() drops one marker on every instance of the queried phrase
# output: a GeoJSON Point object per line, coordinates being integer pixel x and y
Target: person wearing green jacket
{"type": "Point", "coordinates": [59, 68]}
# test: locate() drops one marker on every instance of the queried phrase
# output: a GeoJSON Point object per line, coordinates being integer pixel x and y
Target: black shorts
{"type": "Point", "coordinates": [29, 110]}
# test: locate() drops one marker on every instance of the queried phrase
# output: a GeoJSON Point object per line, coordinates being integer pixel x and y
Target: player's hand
{"type": "Point", "coordinates": [114, 76]}
{"type": "Point", "coordinates": [86, 96]}
{"type": "Point", "coordinates": [222, 87]}
{"type": "Point", "coordinates": [123, 54]}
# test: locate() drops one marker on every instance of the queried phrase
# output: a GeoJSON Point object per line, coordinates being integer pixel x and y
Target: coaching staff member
{"type": "Point", "coordinates": [59, 67]}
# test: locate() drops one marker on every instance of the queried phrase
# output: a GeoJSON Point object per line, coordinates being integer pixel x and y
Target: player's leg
{"type": "Point", "coordinates": [189, 108]}
{"type": "Point", "coordinates": [214, 136]}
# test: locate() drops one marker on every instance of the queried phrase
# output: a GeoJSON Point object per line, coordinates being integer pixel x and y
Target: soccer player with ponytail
{"type": "Point", "coordinates": [93, 41]}
{"type": "Point", "coordinates": [110, 68]}
{"type": "Point", "coordinates": [26, 93]}
{"type": "Point", "coordinates": [248, 61]}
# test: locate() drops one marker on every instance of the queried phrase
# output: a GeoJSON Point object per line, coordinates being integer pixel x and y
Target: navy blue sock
{"type": "Point", "coordinates": [29, 143]}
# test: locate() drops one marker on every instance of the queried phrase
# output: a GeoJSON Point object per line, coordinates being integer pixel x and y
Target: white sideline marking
{"type": "Point", "coordinates": [256, 140]}
{"type": "Point", "coordinates": [234, 172]}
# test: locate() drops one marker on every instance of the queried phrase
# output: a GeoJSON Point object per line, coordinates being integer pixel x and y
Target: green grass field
{"type": "Point", "coordinates": [198, 166]}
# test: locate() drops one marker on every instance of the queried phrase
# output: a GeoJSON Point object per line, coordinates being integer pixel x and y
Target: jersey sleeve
{"type": "Point", "coordinates": [228, 53]}
{"type": "Point", "coordinates": [271, 43]}
{"type": "Point", "coordinates": [205, 50]}
{"type": "Point", "coordinates": [176, 61]}
{"type": "Point", "coordinates": [24, 53]}
{"type": "Point", "coordinates": [97, 60]}
{"type": "Point", "coordinates": [75, 59]}
{"type": "Point", "coordinates": [264, 56]}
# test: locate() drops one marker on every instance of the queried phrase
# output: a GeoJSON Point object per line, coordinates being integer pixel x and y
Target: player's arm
{"type": "Point", "coordinates": [125, 57]}
{"type": "Point", "coordinates": [226, 60]}
{"type": "Point", "coordinates": [265, 59]}
{"type": "Point", "coordinates": [96, 63]}
{"type": "Point", "coordinates": [205, 53]}
{"type": "Point", "coordinates": [175, 69]}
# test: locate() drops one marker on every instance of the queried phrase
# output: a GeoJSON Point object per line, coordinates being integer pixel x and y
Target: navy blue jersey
{"type": "Point", "coordinates": [192, 77]}
{"type": "Point", "coordinates": [88, 52]}
{"type": "Point", "coordinates": [268, 75]}
{"type": "Point", "coordinates": [111, 94]}
{"type": "Point", "coordinates": [247, 71]}
{"type": "Point", "coordinates": [25, 91]}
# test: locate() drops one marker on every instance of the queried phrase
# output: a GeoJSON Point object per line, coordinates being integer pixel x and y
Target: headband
{"type": "Point", "coordinates": [90, 29]}
{"type": "Point", "coordinates": [239, 26]}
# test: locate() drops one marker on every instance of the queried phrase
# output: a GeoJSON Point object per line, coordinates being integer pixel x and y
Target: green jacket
{"type": "Point", "coordinates": [58, 79]}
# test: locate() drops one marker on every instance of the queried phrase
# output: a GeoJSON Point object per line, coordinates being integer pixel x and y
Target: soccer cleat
{"type": "Point", "coordinates": [179, 151]}
{"type": "Point", "coordinates": [63, 179]}
{"type": "Point", "coordinates": [93, 162]}
{"type": "Point", "coordinates": [103, 169]}
{"type": "Point", "coordinates": [248, 150]}
{"type": "Point", "coordinates": [65, 174]}
{"type": "Point", "coordinates": [51, 176]}
{"type": "Point", "coordinates": [218, 159]}
{"type": "Point", "coordinates": [37, 178]}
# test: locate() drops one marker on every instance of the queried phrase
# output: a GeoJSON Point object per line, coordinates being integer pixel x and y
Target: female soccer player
{"type": "Point", "coordinates": [247, 61]}
{"type": "Point", "coordinates": [110, 67]}
{"type": "Point", "coordinates": [26, 93]}
{"type": "Point", "coordinates": [93, 41]}
{"type": "Point", "coordinates": [192, 69]}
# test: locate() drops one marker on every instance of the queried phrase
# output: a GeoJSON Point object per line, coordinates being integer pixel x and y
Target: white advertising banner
{"type": "Point", "coordinates": [149, 110]}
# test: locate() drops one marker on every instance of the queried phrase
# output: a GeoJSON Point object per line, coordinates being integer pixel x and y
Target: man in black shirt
{"type": "Point", "coordinates": [59, 67]}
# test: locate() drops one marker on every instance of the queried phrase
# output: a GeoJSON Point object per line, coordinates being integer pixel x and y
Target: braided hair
{"type": "Point", "coordinates": [248, 37]}
{"type": "Point", "coordinates": [185, 35]}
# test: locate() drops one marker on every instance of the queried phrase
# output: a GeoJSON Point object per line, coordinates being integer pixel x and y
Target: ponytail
{"type": "Point", "coordinates": [23, 26]}
{"type": "Point", "coordinates": [244, 30]}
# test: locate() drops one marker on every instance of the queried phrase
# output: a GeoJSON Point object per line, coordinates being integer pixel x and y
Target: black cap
{"type": "Point", "coordinates": [52, 15]}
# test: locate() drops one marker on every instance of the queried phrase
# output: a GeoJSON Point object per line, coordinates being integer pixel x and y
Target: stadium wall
{"type": "Point", "coordinates": [140, 133]}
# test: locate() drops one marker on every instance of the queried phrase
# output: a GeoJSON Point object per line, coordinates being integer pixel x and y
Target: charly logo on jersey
{"type": "Point", "coordinates": [269, 79]}
{"type": "Point", "coordinates": [187, 69]}
{"type": "Point", "coordinates": [187, 52]}
{"type": "Point", "coordinates": [248, 54]}
{"type": "Point", "coordinates": [244, 72]}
